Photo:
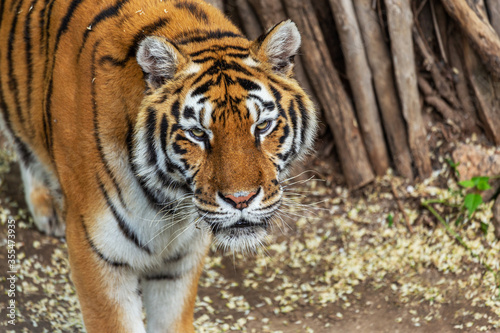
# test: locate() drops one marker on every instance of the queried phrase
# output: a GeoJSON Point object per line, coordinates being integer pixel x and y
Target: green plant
{"type": "Point", "coordinates": [467, 205]}
{"type": "Point", "coordinates": [473, 200]}
{"type": "Point", "coordinates": [390, 220]}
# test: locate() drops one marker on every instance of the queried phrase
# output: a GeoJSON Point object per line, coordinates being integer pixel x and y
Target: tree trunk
{"type": "Point", "coordinates": [249, 20]}
{"type": "Point", "coordinates": [381, 67]}
{"type": "Point", "coordinates": [360, 79]}
{"type": "Point", "coordinates": [494, 9]}
{"type": "Point", "coordinates": [332, 96]}
{"type": "Point", "coordinates": [271, 13]}
{"type": "Point", "coordinates": [400, 20]}
{"type": "Point", "coordinates": [480, 32]}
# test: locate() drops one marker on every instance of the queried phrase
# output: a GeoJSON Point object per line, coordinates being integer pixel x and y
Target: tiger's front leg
{"type": "Point", "coordinates": [169, 294]}
{"type": "Point", "coordinates": [108, 290]}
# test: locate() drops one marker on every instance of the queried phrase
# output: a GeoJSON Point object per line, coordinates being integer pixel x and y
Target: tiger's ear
{"type": "Point", "coordinates": [159, 60]}
{"type": "Point", "coordinates": [278, 46]}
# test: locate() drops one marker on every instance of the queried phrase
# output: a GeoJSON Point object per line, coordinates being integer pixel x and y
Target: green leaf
{"type": "Point", "coordinates": [484, 228]}
{"type": "Point", "coordinates": [454, 166]}
{"type": "Point", "coordinates": [390, 219]}
{"type": "Point", "coordinates": [482, 183]}
{"type": "Point", "coordinates": [472, 201]}
{"type": "Point", "coordinates": [467, 183]}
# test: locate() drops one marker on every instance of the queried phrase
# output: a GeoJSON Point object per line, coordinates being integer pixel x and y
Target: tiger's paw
{"type": "Point", "coordinates": [44, 212]}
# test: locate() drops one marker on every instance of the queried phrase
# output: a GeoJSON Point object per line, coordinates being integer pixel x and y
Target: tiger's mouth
{"type": "Point", "coordinates": [241, 236]}
{"type": "Point", "coordinates": [240, 226]}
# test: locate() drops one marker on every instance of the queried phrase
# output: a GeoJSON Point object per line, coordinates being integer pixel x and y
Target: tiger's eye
{"type": "Point", "coordinates": [263, 126]}
{"type": "Point", "coordinates": [197, 133]}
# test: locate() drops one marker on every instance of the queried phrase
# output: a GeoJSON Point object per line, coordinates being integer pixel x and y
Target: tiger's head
{"type": "Point", "coordinates": [223, 121]}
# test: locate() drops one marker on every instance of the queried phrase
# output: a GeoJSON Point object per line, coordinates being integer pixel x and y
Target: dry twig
{"type": "Point", "coordinates": [401, 208]}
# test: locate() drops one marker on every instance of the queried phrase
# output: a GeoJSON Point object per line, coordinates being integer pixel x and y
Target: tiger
{"type": "Point", "coordinates": [147, 130]}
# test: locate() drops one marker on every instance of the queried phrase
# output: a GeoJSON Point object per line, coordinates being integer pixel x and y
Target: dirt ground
{"type": "Point", "coordinates": [334, 265]}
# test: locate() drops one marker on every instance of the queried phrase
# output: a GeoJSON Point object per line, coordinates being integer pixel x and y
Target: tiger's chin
{"type": "Point", "coordinates": [242, 236]}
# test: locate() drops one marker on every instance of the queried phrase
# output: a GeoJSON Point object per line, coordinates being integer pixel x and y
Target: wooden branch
{"type": "Point", "coordinates": [331, 94]}
{"type": "Point", "coordinates": [360, 79]}
{"type": "Point", "coordinates": [494, 8]}
{"type": "Point", "coordinates": [461, 86]}
{"type": "Point", "coordinates": [487, 91]}
{"type": "Point", "coordinates": [442, 85]}
{"type": "Point", "coordinates": [480, 32]}
{"type": "Point", "coordinates": [439, 25]}
{"type": "Point", "coordinates": [381, 67]}
{"type": "Point", "coordinates": [432, 98]}
{"type": "Point", "coordinates": [401, 208]}
{"type": "Point", "coordinates": [400, 20]}
{"type": "Point", "coordinates": [249, 20]}
{"type": "Point", "coordinates": [496, 217]}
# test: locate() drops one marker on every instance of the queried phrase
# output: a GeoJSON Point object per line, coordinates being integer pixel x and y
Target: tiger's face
{"type": "Point", "coordinates": [224, 123]}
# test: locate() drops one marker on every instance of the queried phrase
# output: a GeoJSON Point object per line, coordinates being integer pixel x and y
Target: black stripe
{"type": "Point", "coordinates": [221, 66]}
{"type": "Point", "coordinates": [293, 118]}
{"type": "Point", "coordinates": [277, 96]}
{"type": "Point", "coordinates": [303, 116]}
{"type": "Point", "coordinates": [262, 37]}
{"type": "Point", "coordinates": [150, 135]}
{"type": "Point", "coordinates": [247, 84]}
{"type": "Point", "coordinates": [163, 276]}
{"type": "Point", "coordinates": [41, 21]}
{"type": "Point", "coordinates": [29, 61]}
{"type": "Point", "coordinates": [286, 132]}
{"type": "Point", "coordinates": [166, 181]}
{"type": "Point", "coordinates": [48, 98]}
{"type": "Point", "coordinates": [153, 200]}
{"type": "Point", "coordinates": [44, 44]}
{"type": "Point", "coordinates": [237, 55]}
{"type": "Point", "coordinates": [2, 5]}
{"type": "Point", "coordinates": [138, 37]}
{"type": "Point", "coordinates": [175, 258]}
{"type": "Point", "coordinates": [216, 34]}
{"type": "Point", "coordinates": [127, 232]}
{"type": "Point", "coordinates": [65, 21]}
{"type": "Point", "coordinates": [145, 31]}
{"type": "Point", "coordinates": [234, 55]}
{"type": "Point", "coordinates": [203, 60]}
{"type": "Point", "coordinates": [215, 48]}
{"type": "Point", "coordinates": [10, 63]}
{"type": "Point", "coordinates": [201, 90]}
{"type": "Point", "coordinates": [103, 15]}
{"type": "Point", "coordinates": [96, 251]}
{"type": "Point", "coordinates": [175, 110]}
{"type": "Point", "coordinates": [189, 113]}
{"type": "Point", "coordinates": [97, 137]}
{"type": "Point", "coordinates": [163, 140]}
{"type": "Point", "coordinates": [12, 5]}
{"type": "Point", "coordinates": [194, 9]}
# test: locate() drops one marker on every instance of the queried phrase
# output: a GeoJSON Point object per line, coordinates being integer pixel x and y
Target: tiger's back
{"type": "Point", "coordinates": [145, 128]}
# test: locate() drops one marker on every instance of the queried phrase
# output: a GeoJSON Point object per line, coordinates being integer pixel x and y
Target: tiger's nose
{"type": "Point", "coordinates": [240, 201]}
